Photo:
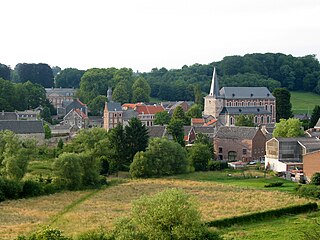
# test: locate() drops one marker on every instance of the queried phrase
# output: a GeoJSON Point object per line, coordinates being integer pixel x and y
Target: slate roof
{"type": "Point", "coordinates": [128, 114]}
{"type": "Point", "coordinates": [156, 131]}
{"type": "Point", "coordinates": [82, 114]}
{"type": "Point", "coordinates": [8, 116]}
{"type": "Point", "coordinates": [237, 132]}
{"type": "Point", "coordinates": [114, 106]}
{"type": "Point", "coordinates": [204, 130]}
{"type": "Point", "coordinates": [22, 127]}
{"type": "Point", "coordinates": [76, 104]}
{"type": "Point", "coordinates": [246, 93]}
{"type": "Point", "coordinates": [245, 110]}
{"type": "Point", "coordinates": [61, 91]}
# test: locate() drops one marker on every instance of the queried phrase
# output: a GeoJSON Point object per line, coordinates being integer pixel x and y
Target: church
{"type": "Point", "coordinates": [227, 103]}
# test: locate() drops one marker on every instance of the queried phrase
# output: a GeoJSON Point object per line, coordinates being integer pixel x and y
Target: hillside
{"type": "Point", "coordinates": [304, 102]}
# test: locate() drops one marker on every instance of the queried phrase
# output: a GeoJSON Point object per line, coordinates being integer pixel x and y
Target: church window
{"type": "Point", "coordinates": [260, 103]}
{"type": "Point", "coordinates": [266, 107]}
{"type": "Point", "coordinates": [231, 121]}
{"type": "Point", "coordinates": [242, 103]}
{"type": "Point", "coordinates": [268, 119]}
{"type": "Point", "coordinates": [271, 108]}
{"type": "Point", "coordinates": [255, 119]}
{"type": "Point", "coordinates": [236, 104]}
{"type": "Point", "coordinates": [262, 119]}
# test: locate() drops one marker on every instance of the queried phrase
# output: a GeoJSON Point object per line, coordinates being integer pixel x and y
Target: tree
{"type": "Point", "coordinates": [5, 72]}
{"type": "Point", "coordinates": [96, 106]}
{"type": "Point", "coordinates": [47, 131]}
{"type": "Point", "coordinates": [162, 157]}
{"type": "Point", "coordinates": [198, 98]}
{"type": "Point", "coordinates": [91, 169]}
{"type": "Point", "coordinates": [315, 116]}
{"type": "Point", "coordinates": [244, 120]}
{"type": "Point", "coordinates": [170, 214]}
{"type": "Point", "coordinates": [178, 114]}
{"type": "Point", "coordinates": [36, 73]}
{"type": "Point", "coordinates": [141, 90]}
{"type": "Point", "coordinates": [204, 139]}
{"type": "Point", "coordinates": [121, 93]}
{"type": "Point", "coordinates": [69, 78]}
{"type": "Point", "coordinates": [162, 118]}
{"type": "Point", "coordinates": [175, 128]}
{"type": "Point", "coordinates": [200, 154]}
{"type": "Point", "coordinates": [288, 128]}
{"type": "Point", "coordinates": [195, 111]}
{"type": "Point", "coordinates": [283, 104]}
{"type": "Point", "coordinates": [56, 70]}
{"type": "Point", "coordinates": [69, 170]}
{"type": "Point", "coordinates": [46, 114]}
{"type": "Point", "coordinates": [136, 137]}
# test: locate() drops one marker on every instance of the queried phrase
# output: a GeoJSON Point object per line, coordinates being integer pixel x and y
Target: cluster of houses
{"type": "Point", "coordinates": [294, 157]}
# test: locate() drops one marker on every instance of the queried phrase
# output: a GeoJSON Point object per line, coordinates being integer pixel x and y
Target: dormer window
{"type": "Point", "coordinates": [251, 94]}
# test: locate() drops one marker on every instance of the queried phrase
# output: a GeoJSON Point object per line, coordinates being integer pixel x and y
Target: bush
{"type": "Point", "coordinates": [170, 214]}
{"type": "Point", "coordinates": [45, 234]}
{"type": "Point", "coordinates": [316, 179]}
{"type": "Point", "coordinates": [199, 155]}
{"type": "Point", "coordinates": [9, 189]}
{"type": "Point", "coordinates": [274, 184]}
{"type": "Point", "coordinates": [217, 165]}
{"type": "Point", "coordinates": [312, 191]}
{"type": "Point", "coordinates": [31, 189]}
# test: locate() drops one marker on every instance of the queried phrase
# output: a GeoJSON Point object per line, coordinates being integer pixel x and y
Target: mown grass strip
{"type": "Point", "coordinates": [261, 216]}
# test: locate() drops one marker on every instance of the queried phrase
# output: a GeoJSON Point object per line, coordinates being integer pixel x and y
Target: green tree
{"type": "Point", "coordinates": [162, 118]}
{"type": "Point", "coordinates": [69, 78]}
{"type": "Point", "coordinates": [244, 120]}
{"type": "Point", "coordinates": [315, 116]}
{"type": "Point", "coordinates": [60, 144]}
{"type": "Point", "coordinates": [178, 114]}
{"type": "Point", "coordinates": [47, 131]}
{"type": "Point", "coordinates": [121, 93]}
{"type": "Point", "coordinates": [198, 98]}
{"type": "Point", "coordinates": [199, 154]}
{"type": "Point", "coordinates": [171, 214]}
{"type": "Point", "coordinates": [288, 128]}
{"type": "Point", "coordinates": [162, 157]}
{"type": "Point", "coordinates": [175, 128]}
{"type": "Point", "coordinates": [96, 106]}
{"type": "Point", "coordinates": [5, 72]}
{"type": "Point", "coordinates": [69, 170]}
{"type": "Point", "coordinates": [141, 90]}
{"type": "Point", "coordinates": [46, 114]}
{"type": "Point", "coordinates": [91, 169]}
{"type": "Point", "coordinates": [136, 137]}
{"type": "Point", "coordinates": [204, 139]}
{"type": "Point", "coordinates": [283, 104]}
{"type": "Point", "coordinates": [195, 111]}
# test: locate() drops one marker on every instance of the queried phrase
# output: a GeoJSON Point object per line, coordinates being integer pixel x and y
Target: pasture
{"type": "Point", "coordinates": [304, 102]}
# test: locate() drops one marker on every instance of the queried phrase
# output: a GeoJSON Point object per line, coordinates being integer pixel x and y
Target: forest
{"type": "Point", "coordinates": [272, 70]}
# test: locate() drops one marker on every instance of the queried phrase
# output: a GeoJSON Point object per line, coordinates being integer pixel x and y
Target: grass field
{"type": "Point", "coordinates": [304, 102]}
{"type": "Point", "coordinates": [218, 195]}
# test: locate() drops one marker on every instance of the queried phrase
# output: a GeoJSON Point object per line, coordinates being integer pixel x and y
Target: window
{"type": "Point", "coordinates": [119, 114]}
{"type": "Point", "coordinates": [115, 115]}
{"type": "Point", "coordinates": [266, 107]}
{"type": "Point", "coordinates": [268, 119]}
{"type": "Point", "coordinates": [232, 156]}
{"type": "Point", "coordinates": [244, 151]}
{"type": "Point", "coordinates": [231, 121]}
{"type": "Point", "coordinates": [220, 157]}
{"type": "Point", "coordinates": [220, 149]}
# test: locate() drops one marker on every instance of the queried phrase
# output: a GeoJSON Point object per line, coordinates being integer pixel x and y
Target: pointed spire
{"type": "Point", "coordinates": [214, 89]}
{"type": "Point", "coordinates": [109, 94]}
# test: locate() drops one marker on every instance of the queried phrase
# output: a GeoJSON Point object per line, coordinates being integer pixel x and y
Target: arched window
{"type": "Point", "coordinates": [231, 121]}
{"type": "Point", "coordinates": [255, 119]}
{"type": "Point", "coordinates": [268, 119]}
{"type": "Point", "coordinates": [262, 119]}
{"type": "Point", "coordinates": [232, 156]}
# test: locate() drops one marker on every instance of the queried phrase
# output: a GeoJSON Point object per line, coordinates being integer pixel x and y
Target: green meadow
{"type": "Point", "coordinates": [304, 102]}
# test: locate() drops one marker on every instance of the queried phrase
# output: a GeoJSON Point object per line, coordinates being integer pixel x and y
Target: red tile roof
{"type": "Point", "coordinates": [149, 109]}
{"type": "Point", "coordinates": [210, 122]}
{"type": "Point", "coordinates": [197, 120]}
{"type": "Point", "coordinates": [82, 114]}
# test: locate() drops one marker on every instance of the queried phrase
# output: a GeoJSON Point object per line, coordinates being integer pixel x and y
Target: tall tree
{"type": "Point", "coordinates": [199, 155]}
{"type": "Point", "coordinates": [162, 118]}
{"type": "Point", "coordinates": [178, 114]}
{"type": "Point", "coordinates": [195, 111]}
{"type": "Point", "coordinates": [69, 78]}
{"type": "Point", "coordinates": [121, 93]}
{"type": "Point", "coordinates": [96, 106]}
{"type": "Point", "coordinates": [315, 116]}
{"type": "Point", "coordinates": [175, 128]}
{"type": "Point", "coordinates": [141, 90]}
{"type": "Point", "coordinates": [283, 104]}
{"type": "Point", "coordinates": [136, 137]}
{"type": "Point", "coordinates": [5, 72]}
{"type": "Point", "coordinates": [36, 73]}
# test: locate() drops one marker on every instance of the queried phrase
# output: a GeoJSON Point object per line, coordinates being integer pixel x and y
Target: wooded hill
{"type": "Point", "coordinates": [270, 69]}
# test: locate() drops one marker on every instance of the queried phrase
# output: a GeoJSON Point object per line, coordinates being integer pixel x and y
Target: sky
{"type": "Point", "coordinates": [144, 34]}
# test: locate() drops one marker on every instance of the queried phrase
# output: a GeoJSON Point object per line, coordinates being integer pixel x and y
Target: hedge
{"type": "Point", "coordinates": [259, 216]}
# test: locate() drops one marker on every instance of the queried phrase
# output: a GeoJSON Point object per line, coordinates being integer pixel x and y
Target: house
{"type": "Point", "coordinates": [8, 116]}
{"type": "Point", "coordinates": [28, 115]}
{"type": "Point", "coordinates": [146, 113]}
{"type": "Point", "coordinates": [189, 135]}
{"type": "Point", "coordinates": [311, 164]}
{"type": "Point", "coordinates": [156, 131]}
{"type": "Point", "coordinates": [113, 115]}
{"type": "Point", "coordinates": [171, 106]}
{"type": "Point", "coordinates": [315, 131]}
{"type": "Point", "coordinates": [57, 95]}
{"type": "Point", "coordinates": [227, 103]}
{"type": "Point", "coordinates": [76, 118]}
{"type": "Point", "coordinates": [68, 105]}
{"type": "Point", "coordinates": [24, 129]}
{"type": "Point", "coordinates": [239, 143]}
{"type": "Point", "coordinates": [285, 154]}
{"type": "Point", "coordinates": [208, 131]}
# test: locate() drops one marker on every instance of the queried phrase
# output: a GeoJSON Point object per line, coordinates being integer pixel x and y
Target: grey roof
{"type": "Point", "coordinates": [186, 130]}
{"type": "Point", "coordinates": [245, 110]}
{"type": "Point", "coordinates": [204, 130]}
{"type": "Point", "coordinates": [156, 131]}
{"type": "Point", "coordinates": [8, 116]}
{"type": "Point", "coordinates": [237, 132]}
{"type": "Point", "coordinates": [128, 114]}
{"type": "Point", "coordinates": [317, 124]}
{"type": "Point", "coordinates": [22, 127]}
{"type": "Point", "coordinates": [114, 106]}
{"type": "Point", "coordinates": [246, 93]}
{"type": "Point", "coordinates": [61, 91]}
{"type": "Point", "coordinates": [76, 104]}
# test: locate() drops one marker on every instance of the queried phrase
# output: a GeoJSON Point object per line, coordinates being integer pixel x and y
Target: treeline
{"type": "Point", "coordinates": [271, 70]}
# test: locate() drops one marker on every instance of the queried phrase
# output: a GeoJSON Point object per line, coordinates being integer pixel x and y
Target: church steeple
{"type": "Point", "coordinates": [214, 89]}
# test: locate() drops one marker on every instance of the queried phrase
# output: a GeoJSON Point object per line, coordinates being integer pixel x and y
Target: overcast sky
{"type": "Point", "coordinates": [143, 34]}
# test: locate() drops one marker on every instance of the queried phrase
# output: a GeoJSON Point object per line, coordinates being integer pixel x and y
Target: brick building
{"type": "Point", "coordinates": [311, 164]}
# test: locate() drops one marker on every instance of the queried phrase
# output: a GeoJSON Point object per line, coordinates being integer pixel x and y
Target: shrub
{"type": "Point", "coordinates": [9, 189]}
{"type": "Point", "coordinates": [316, 179]}
{"type": "Point", "coordinates": [199, 155]}
{"type": "Point", "coordinates": [31, 189]}
{"type": "Point", "coordinates": [170, 214]}
{"type": "Point", "coordinates": [274, 184]}
{"type": "Point", "coordinates": [45, 234]}
{"type": "Point", "coordinates": [217, 165]}
{"type": "Point", "coordinates": [309, 191]}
